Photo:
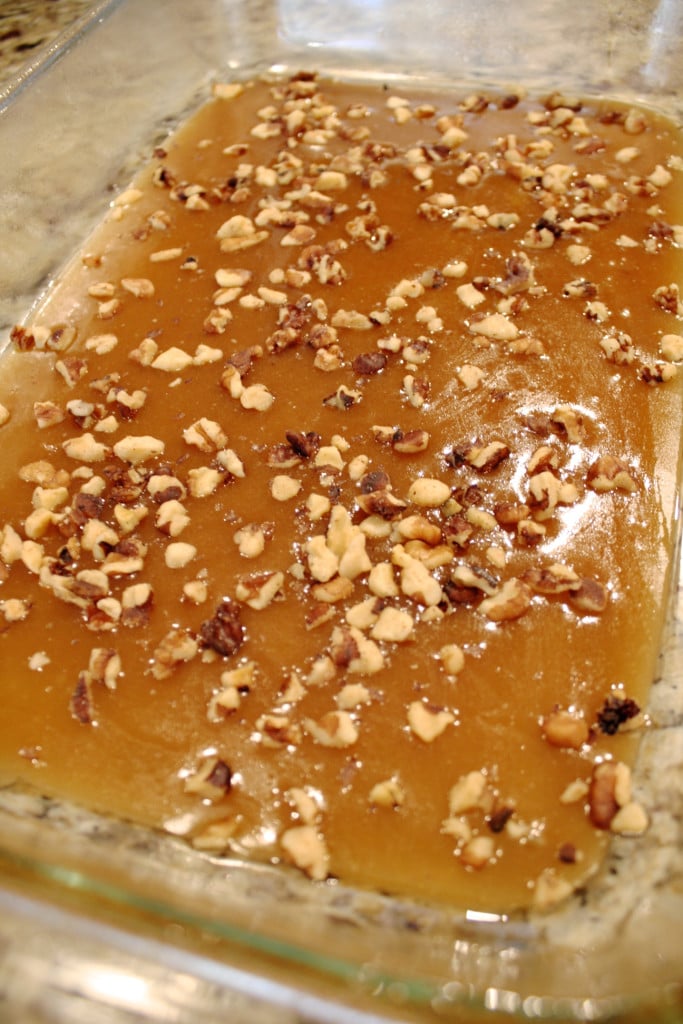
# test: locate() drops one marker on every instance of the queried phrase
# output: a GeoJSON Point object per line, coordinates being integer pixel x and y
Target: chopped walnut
{"type": "Point", "coordinates": [224, 632]}
{"type": "Point", "coordinates": [590, 597]}
{"type": "Point", "coordinates": [176, 648]}
{"type": "Point", "coordinates": [610, 789]}
{"type": "Point", "coordinates": [615, 712]}
{"type": "Point", "coordinates": [179, 554]}
{"type": "Point", "coordinates": [250, 540]}
{"type": "Point", "coordinates": [416, 581]}
{"type": "Point", "coordinates": [138, 449]}
{"type": "Point", "coordinates": [609, 473]}
{"type": "Point", "coordinates": [86, 448]}
{"type": "Point", "coordinates": [426, 722]}
{"type": "Point", "coordinates": [260, 589]}
{"type": "Point", "coordinates": [387, 793]}
{"type": "Point", "coordinates": [469, 792]}
{"type": "Point", "coordinates": [104, 666]}
{"type": "Point", "coordinates": [428, 492]}
{"type": "Point", "coordinates": [495, 327]}
{"type": "Point", "coordinates": [304, 847]}
{"type": "Point", "coordinates": [14, 609]}
{"type": "Point", "coordinates": [277, 731]}
{"type": "Point", "coordinates": [393, 625]}
{"type": "Point", "coordinates": [478, 851]}
{"type": "Point", "coordinates": [206, 435]}
{"type": "Point", "coordinates": [351, 650]}
{"type": "Point", "coordinates": [284, 488]}
{"type": "Point", "coordinates": [564, 728]}
{"type": "Point", "coordinates": [512, 601]}
{"type": "Point", "coordinates": [212, 780]}
{"type": "Point", "coordinates": [667, 297]}
{"type": "Point", "coordinates": [334, 729]}
{"type": "Point", "coordinates": [47, 414]}
{"type": "Point", "coordinates": [452, 658]}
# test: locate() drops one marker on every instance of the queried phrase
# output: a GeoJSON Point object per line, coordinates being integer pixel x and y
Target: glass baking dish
{"type": "Point", "coordinates": [141, 909]}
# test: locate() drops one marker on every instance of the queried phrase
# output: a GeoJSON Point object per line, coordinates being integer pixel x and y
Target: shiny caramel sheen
{"type": "Point", "coordinates": [148, 735]}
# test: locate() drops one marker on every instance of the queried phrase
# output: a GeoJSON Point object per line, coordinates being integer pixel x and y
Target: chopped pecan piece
{"type": "Point", "coordinates": [212, 780]}
{"type": "Point", "coordinates": [614, 712]}
{"type": "Point", "coordinates": [278, 730]}
{"type": "Point", "coordinates": [667, 297]}
{"type": "Point", "coordinates": [519, 275]}
{"type": "Point", "coordinates": [498, 818]}
{"type": "Point", "coordinates": [334, 729]}
{"type": "Point", "coordinates": [484, 457]}
{"type": "Point", "coordinates": [556, 579]}
{"type": "Point", "coordinates": [81, 700]}
{"type": "Point", "coordinates": [381, 503]}
{"type": "Point", "coordinates": [412, 442]}
{"type": "Point", "coordinates": [305, 848]}
{"type": "Point", "coordinates": [224, 633]}
{"type": "Point", "coordinates": [260, 589]}
{"type": "Point", "coordinates": [303, 445]}
{"type": "Point", "coordinates": [176, 648]}
{"type": "Point", "coordinates": [369, 363]}
{"type": "Point", "coordinates": [427, 722]}
{"type": "Point", "coordinates": [602, 798]}
{"type": "Point", "coordinates": [590, 596]}
{"type": "Point", "coordinates": [609, 473]}
{"type": "Point", "coordinates": [564, 728]}
{"type": "Point", "coordinates": [510, 602]}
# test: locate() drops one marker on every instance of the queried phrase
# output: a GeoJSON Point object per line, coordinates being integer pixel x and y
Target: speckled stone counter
{"type": "Point", "coordinates": [26, 26]}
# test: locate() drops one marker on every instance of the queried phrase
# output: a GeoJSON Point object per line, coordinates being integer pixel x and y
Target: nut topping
{"type": "Point", "coordinates": [224, 632]}
{"type": "Point", "coordinates": [338, 394]}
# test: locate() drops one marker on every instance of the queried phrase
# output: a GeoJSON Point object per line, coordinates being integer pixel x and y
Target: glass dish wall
{"type": "Point", "coordinates": [73, 132]}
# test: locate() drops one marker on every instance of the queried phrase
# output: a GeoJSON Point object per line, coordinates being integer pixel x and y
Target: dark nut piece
{"type": "Point", "coordinates": [303, 445]}
{"type": "Point", "coordinates": [410, 443]}
{"type": "Point", "coordinates": [381, 503]}
{"type": "Point", "coordinates": [81, 700]}
{"type": "Point", "coordinates": [615, 712]}
{"type": "Point", "coordinates": [482, 457]}
{"type": "Point", "coordinates": [224, 633]}
{"type": "Point", "coordinates": [369, 363]}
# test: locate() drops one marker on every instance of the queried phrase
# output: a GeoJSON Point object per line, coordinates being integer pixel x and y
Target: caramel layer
{"type": "Point", "coordinates": [340, 488]}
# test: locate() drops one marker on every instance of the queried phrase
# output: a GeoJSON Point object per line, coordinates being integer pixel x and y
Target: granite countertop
{"type": "Point", "coordinates": [26, 26]}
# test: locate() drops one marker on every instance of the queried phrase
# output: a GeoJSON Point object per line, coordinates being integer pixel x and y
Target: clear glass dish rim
{"type": "Point", "coordinates": [420, 991]}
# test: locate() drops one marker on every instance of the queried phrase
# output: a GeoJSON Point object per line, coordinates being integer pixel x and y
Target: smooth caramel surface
{"type": "Point", "coordinates": [437, 333]}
